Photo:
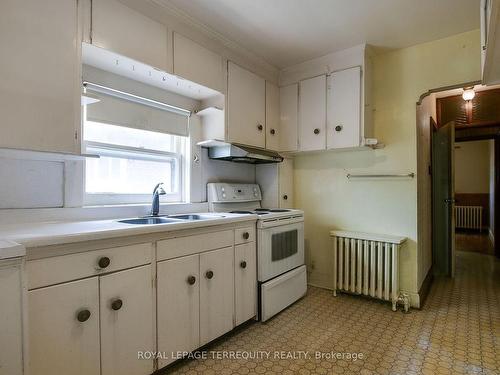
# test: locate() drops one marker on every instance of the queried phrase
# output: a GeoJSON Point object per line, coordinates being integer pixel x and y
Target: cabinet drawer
{"type": "Point", "coordinates": [54, 270]}
{"type": "Point", "coordinates": [244, 235]}
{"type": "Point", "coordinates": [181, 246]}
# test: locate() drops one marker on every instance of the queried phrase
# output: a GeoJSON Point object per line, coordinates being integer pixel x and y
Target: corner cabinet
{"type": "Point", "coordinates": [276, 182]}
{"type": "Point", "coordinates": [289, 107]}
{"type": "Point", "coordinates": [246, 107]}
{"type": "Point", "coordinates": [121, 29]}
{"type": "Point", "coordinates": [39, 75]}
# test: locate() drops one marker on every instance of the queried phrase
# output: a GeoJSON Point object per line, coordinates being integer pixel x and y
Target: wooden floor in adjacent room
{"type": "Point", "coordinates": [474, 242]}
{"type": "Point", "coordinates": [456, 332]}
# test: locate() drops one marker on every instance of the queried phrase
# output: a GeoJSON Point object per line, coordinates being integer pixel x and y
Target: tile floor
{"type": "Point", "coordinates": [456, 332]}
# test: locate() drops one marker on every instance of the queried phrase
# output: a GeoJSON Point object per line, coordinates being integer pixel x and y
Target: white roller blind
{"type": "Point", "coordinates": [119, 108]}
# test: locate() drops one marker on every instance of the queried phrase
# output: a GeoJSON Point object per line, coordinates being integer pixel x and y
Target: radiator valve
{"type": "Point", "coordinates": [404, 300]}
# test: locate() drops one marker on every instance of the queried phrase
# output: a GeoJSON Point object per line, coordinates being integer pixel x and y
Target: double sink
{"type": "Point", "coordinates": [170, 219]}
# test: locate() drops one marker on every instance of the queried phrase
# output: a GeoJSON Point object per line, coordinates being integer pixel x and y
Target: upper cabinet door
{"type": "Point", "coordinates": [344, 108]}
{"type": "Point", "coordinates": [272, 116]}
{"type": "Point", "coordinates": [126, 306]}
{"type": "Point", "coordinates": [197, 64]}
{"type": "Point", "coordinates": [63, 333]}
{"type": "Point", "coordinates": [216, 293]}
{"type": "Point", "coordinates": [120, 29]}
{"type": "Point", "coordinates": [289, 105]}
{"type": "Point", "coordinates": [312, 114]}
{"type": "Point", "coordinates": [39, 80]}
{"type": "Point", "coordinates": [246, 102]}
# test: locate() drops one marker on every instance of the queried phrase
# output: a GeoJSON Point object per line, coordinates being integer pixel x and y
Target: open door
{"type": "Point", "coordinates": [443, 200]}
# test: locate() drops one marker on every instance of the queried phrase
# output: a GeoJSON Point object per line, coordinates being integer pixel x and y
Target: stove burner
{"type": "Point", "coordinates": [279, 210]}
{"type": "Point", "coordinates": [241, 212]}
{"type": "Point", "coordinates": [262, 209]}
{"type": "Point", "coordinates": [272, 209]}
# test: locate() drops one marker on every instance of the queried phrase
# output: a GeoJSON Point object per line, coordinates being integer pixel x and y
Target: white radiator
{"type": "Point", "coordinates": [367, 264]}
{"type": "Point", "coordinates": [469, 217]}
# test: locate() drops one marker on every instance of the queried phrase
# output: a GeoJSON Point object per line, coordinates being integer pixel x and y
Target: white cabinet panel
{"type": "Point", "coordinates": [312, 114]}
{"type": "Point", "coordinates": [197, 64]}
{"type": "Point", "coordinates": [178, 305]}
{"type": "Point", "coordinates": [120, 29]}
{"type": "Point", "coordinates": [272, 116]}
{"type": "Point", "coordinates": [245, 282]}
{"type": "Point", "coordinates": [289, 117]}
{"type": "Point", "coordinates": [11, 317]}
{"type": "Point", "coordinates": [344, 108]}
{"type": "Point", "coordinates": [39, 81]}
{"type": "Point", "coordinates": [286, 193]}
{"type": "Point", "coordinates": [126, 312]}
{"type": "Point", "coordinates": [63, 337]}
{"type": "Point", "coordinates": [216, 293]}
{"type": "Point", "coordinates": [246, 102]}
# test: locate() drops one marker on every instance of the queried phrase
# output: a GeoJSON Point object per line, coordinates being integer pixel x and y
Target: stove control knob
{"type": "Point", "coordinates": [255, 194]}
{"type": "Point", "coordinates": [222, 189]}
{"type": "Point", "coordinates": [224, 195]}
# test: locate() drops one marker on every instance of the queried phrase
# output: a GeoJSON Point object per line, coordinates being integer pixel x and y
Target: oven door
{"type": "Point", "coordinates": [280, 249]}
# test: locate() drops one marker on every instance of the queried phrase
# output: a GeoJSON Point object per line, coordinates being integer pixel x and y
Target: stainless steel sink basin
{"type": "Point", "coordinates": [149, 220]}
{"type": "Point", "coordinates": [195, 217]}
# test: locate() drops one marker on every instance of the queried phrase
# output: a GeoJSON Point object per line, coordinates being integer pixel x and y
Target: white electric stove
{"type": "Point", "coordinates": [281, 271]}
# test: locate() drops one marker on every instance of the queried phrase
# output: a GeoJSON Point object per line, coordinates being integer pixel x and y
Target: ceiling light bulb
{"type": "Point", "coordinates": [468, 94]}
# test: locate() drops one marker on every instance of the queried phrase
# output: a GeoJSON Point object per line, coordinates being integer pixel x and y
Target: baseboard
{"type": "Point", "coordinates": [426, 287]}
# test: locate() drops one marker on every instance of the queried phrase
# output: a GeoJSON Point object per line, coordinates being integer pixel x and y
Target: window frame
{"type": "Point", "coordinates": [134, 153]}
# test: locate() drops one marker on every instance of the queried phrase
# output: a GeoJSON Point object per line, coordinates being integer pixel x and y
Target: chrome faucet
{"type": "Point", "coordinates": [155, 205]}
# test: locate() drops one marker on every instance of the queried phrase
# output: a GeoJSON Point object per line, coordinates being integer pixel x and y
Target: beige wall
{"type": "Point", "coordinates": [384, 206]}
{"type": "Point", "coordinates": [472, 167]}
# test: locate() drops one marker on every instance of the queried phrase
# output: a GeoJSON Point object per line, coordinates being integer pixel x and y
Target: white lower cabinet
{"type": "Point", "coordinates": [126, 312]}
{"type": "Point", "coordinates": [245, 282]}
{"type": "Point", "coordinates": [178, 296]}
{"type": "Point", "coordinates": [63, 323]}
{"type": "Point", "coordinates": [216, 293]}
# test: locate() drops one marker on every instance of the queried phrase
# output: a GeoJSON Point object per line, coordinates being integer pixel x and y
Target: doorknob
{"type": "Point", "coordinates": [449, 201]}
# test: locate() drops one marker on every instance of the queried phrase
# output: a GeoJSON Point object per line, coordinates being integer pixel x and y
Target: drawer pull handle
{"type": "Point", "coordinates": [246, 236]}
{"type": "Point", "coordinates": [338, 128]}
{"type": "Point", "coordinates": [316, 131]}
{"type": "Point", "coordinates": [104, 262]}
{"type": "Point", "coordinates": [191, 280]}
{"type": "Point", "coordinates": [260, 127]}
{"type": "Point", "coordinates": [272, 131]}
{"type": "Point", "coordinates": [243, 264]}
{"type": "Point", "coordinates": [117, 304]}
{"type": "Point", "coordinates": [83, 315]}
{"type": "Point", "coordinates": [209, 274]}
{"type": "Point", "coordinates": [285, 197]}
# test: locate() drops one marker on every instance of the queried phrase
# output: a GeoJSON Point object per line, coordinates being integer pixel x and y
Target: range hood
{"type": "Point", "coordinates": [240, 153]}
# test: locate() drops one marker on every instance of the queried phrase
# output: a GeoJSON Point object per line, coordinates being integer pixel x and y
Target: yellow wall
{"type": "Point", "coordinates": [383, 206]}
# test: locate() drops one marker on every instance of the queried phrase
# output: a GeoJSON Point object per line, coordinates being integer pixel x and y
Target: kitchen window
{"type": "Point", "coordinates": [131, 162]}
{"type": "Point", "coordinates": [140, 142]}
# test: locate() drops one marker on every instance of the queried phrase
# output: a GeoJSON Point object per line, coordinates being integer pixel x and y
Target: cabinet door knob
{"type": "Point", "coordinates": [246, 236]}
{"type": "Point", "coordinates": [117, 304]}
{"type": "Point", "coordinates": [285, 197]}
{"type": "Point", "coordinates": [83, 315]}
{"type": "Point", "coordinates": [243, 264]}
{"type": "Point", "coordinates": [260, 127]}
{"type": "Point", "coordinates": [209, 274]}
{"type": "Point", "coordinates": [104, 262]}
{"type": "Point", "coordinates": [316, 131]}
{"type": "Point", "coordinates": [272, 131]}
{"type": "Point", "coordinates": [191, 280]}
{"type": "Point", "coordinates": [338, 128]}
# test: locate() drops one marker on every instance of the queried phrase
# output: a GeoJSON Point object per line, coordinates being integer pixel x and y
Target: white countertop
{"type": "Point", "coordinates": [11, 249]}
{"type": "Point", "coordinates": [56, 233]}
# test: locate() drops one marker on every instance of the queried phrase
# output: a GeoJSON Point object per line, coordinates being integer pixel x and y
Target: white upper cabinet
{"type": "Point", "coordinates": [273, 132]}
{"type": "Point", "coordinates": [312, 114]}
{"type": "Point", "coordinates": [39, 80]}
{"type": "Point", "coordinates": [246, 107]}
{"type": "Point", "coordinates": [490, 41]}
{"type": "Point", "coordinates": [289, 96]}
{"type": "Point", "coordinates": [344, 109]}
{"type": "Point", "coordinates": [120, 29]}
{"type": "Point", "coordinates": [198, 64]}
